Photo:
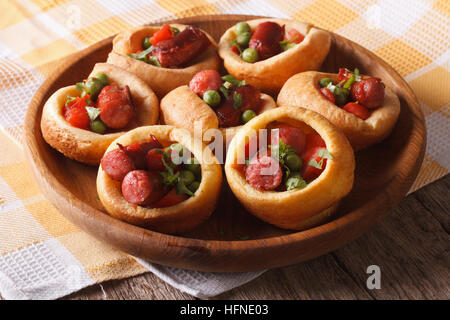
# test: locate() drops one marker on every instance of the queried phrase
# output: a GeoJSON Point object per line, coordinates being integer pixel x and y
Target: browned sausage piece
{"type": "Point", "coordinates": [115, 105]}
{"type": "Point", "coordinates": [266, 39]}
{"type": "Point", "coordinates": [263, 172]}
{"type": "Point", "coordinates": [182, 48]}
{"type": "Point", "coordinates": [369, 92]}
{"type": "Point", "coordinates": [138, 151]}
{"type": "Point", "coordinates": [205, 80]}
{"type": "Point", "coordinates": [116, 164]}
{"type": "Point", "coordinates": [228, 116]}
{"type": "Point", "coordinates": [250, 96]}
{"type": "Point", "coordinates": [142, 187]}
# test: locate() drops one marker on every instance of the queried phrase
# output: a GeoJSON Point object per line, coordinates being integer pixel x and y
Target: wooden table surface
{"type": "Point", "coordinates": [411, 247]}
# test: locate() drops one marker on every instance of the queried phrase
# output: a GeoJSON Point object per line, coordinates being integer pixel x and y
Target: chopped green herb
{"type": "Point", "coordinates": [79, 86]}
{"type": "Point", "coordinates": [233, 80]}
{"type": "Point", "coordinates": [70, 99]}
{"type": "Point", "coordinates": [289, 40]}
{"type": "Point", "coordinates": [288, 44]}
{"type": "Point", "coordinates": [153, 61]}
{"type": "Point", "coordinates": [237, 100]}
{"type": "Point", "coordinates": [141, 55]}
{"type": "Point", "coordinates": [93, 112]}
{"type": "Point", "coordinates": [323, 154]}
{"type": "Point", "coordinates": [295, 181]}
{"type": "Point", "coordinates": [170, 178]}
{"type": "Point", "coordinates": [236, 44]}
{"type": "Point", "coordinates": [224, 91]}
{"type": "Point", "coordinates": [175, 30]}
{"type": "Point", "coordinates": [350, 81]}
{"type": "Point", "coordinates": [181, 188]}
{"type": "Point", "coordinates": [88, 101]}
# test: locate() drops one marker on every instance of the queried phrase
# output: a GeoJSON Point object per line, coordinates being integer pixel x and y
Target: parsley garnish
{"type": "Point", "coordinates": [70, 99]}
{"type": "Point", "coordinates": [93, 112]}
{"type": "Point", "coordinates": [224, 91]}
{"type": "Point", "coordinates": [237, 100]}
{"type": "Point", "coordinates": [295, 181]}
{"type": "Point", "coordinates": [234, 43]}
{"type": "Point", "coordinates": [154, 61]}
{"type": "Point", "coordinates": [282, 150]}
{"type": "Point", "coordinates": [229, 78]}
{"type": "Point", "coordinates": [144, 56]}
{"type": "Point", "coordinates": [323, 154]}
{"type": "Point", "coordinates": [141, 55]}
{"type": "Point", "coordinates": [287, 44]}
{"type": "Point", "coordinates": [170, 178]}
{"type": "Point", "coordinates": [79, 86]}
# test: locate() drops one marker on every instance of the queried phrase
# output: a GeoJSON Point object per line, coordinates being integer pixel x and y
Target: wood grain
{"type": "Point", "coordinates": [384, 174]}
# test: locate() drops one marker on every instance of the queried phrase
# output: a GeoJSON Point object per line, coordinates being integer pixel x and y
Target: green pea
{"type": "Point", "coordinates": [194, 167]}
{"type": "Point", "coordinates": [146, 43]}
{"type": "Point", "coordinates": [324, 82]}
{"type": "Point", "coordinates": [243, 39]}
{"type": "Point", "coordinates": [93, 87]}
{"type": "Point", "coordinates": [194, 186]}
{"type": "Point", "coordinates": [247, 115]}
{"type": "Point", "coordinates": [187, 177]}
{"type": "Point", "coordinates": [212, 97]}
{"type": "Point", "coordinates": [341, 95]}
{"type": "Point", "coordinates": [250, 55]}
{"type": "Point", "coordinates": [175, 30]}
{"type": "Point", "coordinates": [241, 27]}
{"type": "Point", "coordinates": [103, 78]}
{"type": "Point", "coordinates": [293, 161]}
{"type": "Point", "coordinates": [98, 126]}
{"type": "Point", "coordinates": [295, 181]}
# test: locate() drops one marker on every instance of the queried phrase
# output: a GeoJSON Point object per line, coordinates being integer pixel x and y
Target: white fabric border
{"type": "Point", "coordinates": [42, 271]}
{"type": "Point", "coordinates": [203, 285]}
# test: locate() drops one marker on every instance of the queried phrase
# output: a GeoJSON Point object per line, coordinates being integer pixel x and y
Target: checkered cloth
{"type": "Point", "coordinates": [42, 255]}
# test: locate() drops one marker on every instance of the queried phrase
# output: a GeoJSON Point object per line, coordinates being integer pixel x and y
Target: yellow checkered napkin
{"type": "Point", "coordinates": [43, 256]}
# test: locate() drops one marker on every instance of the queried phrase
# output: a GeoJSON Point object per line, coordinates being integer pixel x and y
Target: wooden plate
{"type": "Point", "coordinates": [232, 239]}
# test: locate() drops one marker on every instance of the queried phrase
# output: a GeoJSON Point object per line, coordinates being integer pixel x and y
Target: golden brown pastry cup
{"type": "Point", "coordinates": [269, 75]}
{"type": "Point", "coordinates": [295, 209]}
{"type": "Point", "coordinates": [87, 146]}
{"type": "Point", "coordinates": [302, 90]}
{"type": "Point", "coordinates": [180, 217]}
{"type": "Point", "coordinates": [161, 80]}
{"type": "Point", "coordinates": [183, 108]}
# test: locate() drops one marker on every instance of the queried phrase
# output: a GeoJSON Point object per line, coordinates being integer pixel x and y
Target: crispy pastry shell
{"type": "Point", "coordinates": [299, 208]}
{"type": "Point", "coordinates": [175, 219]}
{"type": "Point", "coordinates": [269, 75]}
{"type": "Point", "coordinates": [161, 80]}
{"type": "Point", "coordinates": [182, 108]}
{"type": "Point", "coordinates": [301, 90]}
{"type": "Point", "coordinates": [87, 146]}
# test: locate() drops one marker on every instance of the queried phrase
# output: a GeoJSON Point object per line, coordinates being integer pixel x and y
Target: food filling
{"type": "Point", "coordinates": [353, 93]}
{"type": "Point", "coordinates": [101, 107]}
{"type": "Point", "coordinates": [148, 175]}
{"type": "Point", "coordinates": [291, 160]}
{"type": "Point", "coordinates": [170, 48]}
{"type": "Point", "coordinates": [234, 101]}
{"type": "Point", "coordinates": [267, 40]}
